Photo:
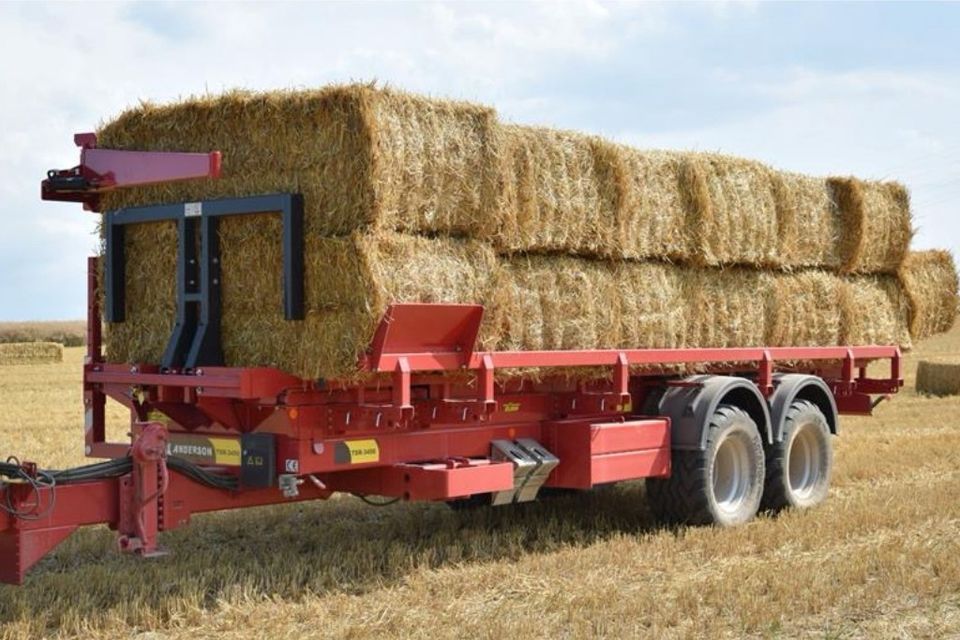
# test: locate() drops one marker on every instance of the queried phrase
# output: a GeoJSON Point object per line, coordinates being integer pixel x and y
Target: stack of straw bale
{"type": "Point", "coordinates": [569, 241]}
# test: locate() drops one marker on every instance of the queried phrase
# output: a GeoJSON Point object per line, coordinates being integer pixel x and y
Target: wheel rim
{"type": "Point", "coordinates": [805, 466]}
{"type": "Point", "coordinates": [731, 474]}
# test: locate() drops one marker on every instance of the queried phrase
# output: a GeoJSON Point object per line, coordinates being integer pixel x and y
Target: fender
{"type": "Point", "coordinates": [797, 386]}
{"type": "Point", "coordinates": [690, 407]}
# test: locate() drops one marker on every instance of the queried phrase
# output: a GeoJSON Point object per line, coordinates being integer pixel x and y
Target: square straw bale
{"type": "Point", "coordinates": [652, 219]}
{"type": "Point", "coordinates": [651, 305]}
{"type": "Point", "coordinates": [738, 222]}
{"type": "Point", "coordinates": [553, 197]}
{"type": "Point", "coordinates": [555, 302]}
{"type": "Point", "coordinates": [361, 156]}
{"type": "Point", "coordinates": [15, 353]}
{"type": "Point", "coordinates": [809, 222]}
{"type": "Point", "coordinates": [938, 377]}
{"type": "Point", "coordinates": [151, 294]}
{"type": "Point", "coordinates": [877, 225]}
{"type": "Point", "coordinates": [559, 302]}
{"type": "Point", "coordinates": [726, 307]}
{"type": "Point", "coordinates": [929, 281]}
{"type": "Point", "coordinates": [348, 284]}
{"type": "Point", "coordinates": [874, 311]}
{"type": "Point", "coordinates": [806, 309]}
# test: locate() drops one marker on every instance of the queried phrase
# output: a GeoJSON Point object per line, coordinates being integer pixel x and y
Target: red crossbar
{"type": "Point", "coordinates": [106, 169]}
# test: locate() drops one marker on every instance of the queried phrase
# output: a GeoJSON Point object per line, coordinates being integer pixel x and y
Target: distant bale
{"type": "Point", "coordinates": [938, 377]}
{"type": "Point", "coordinates": [69, 333]}
{"type": "Point", "coordinates": [931, 286]}
{"type": "Point", "coordinates": [12, 353]}
{"type": "Point", "coordinates": [876, 224]}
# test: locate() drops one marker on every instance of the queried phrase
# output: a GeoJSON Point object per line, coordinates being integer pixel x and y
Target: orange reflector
{"type": "Point", "coordinates": [293, 413]}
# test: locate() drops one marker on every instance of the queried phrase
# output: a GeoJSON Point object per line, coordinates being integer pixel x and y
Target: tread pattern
{"type": "Point", "coordinates": [682, 498]}
{"type": "Point", "coordinates": [774, 490]}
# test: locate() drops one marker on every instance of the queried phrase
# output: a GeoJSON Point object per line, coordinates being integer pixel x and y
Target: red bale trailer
{"type": "Point", "coordinates": [431, 419]}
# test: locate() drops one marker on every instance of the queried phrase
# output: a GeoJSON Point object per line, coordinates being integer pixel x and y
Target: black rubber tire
{"type": "Point", "coordinates": [688, 495]}
{"type": "Point", "coordinates": [804, 420]}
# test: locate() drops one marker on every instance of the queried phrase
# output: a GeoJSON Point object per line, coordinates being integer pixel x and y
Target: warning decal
{"type": "Point", "coordinates": [356, 452]}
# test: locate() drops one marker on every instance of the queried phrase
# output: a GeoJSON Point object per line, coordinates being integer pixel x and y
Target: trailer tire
{"type": "Point", "coordinates": [722, 483]}
{"type": "Point", "coordinates": [799, 466]}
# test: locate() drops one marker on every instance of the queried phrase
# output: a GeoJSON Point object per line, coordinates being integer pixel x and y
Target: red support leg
{"type": "Point", "coordinates": [141, 492]}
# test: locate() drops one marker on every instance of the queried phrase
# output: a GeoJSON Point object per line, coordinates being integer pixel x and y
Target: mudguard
{"type": "Point", "coordinates": [796, 386]}
{"type": "Point", "coordinates": [691, 404]}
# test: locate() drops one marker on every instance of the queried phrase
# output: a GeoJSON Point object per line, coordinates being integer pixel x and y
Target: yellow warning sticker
{"type": "Point", "coordinates": [356, 452]}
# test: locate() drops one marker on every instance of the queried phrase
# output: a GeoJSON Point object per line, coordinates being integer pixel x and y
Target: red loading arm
{"type": "Point", "coordinates": [102, 170]}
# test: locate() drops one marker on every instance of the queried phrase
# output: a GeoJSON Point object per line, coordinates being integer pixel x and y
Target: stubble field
{"type": "Point", "coordinates": [880, 559]}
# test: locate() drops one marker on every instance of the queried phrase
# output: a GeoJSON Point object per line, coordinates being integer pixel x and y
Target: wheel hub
{"type": "Point", "coordinates": [731, 474]}
{"type": "Point", "coordinates": [804, 464]}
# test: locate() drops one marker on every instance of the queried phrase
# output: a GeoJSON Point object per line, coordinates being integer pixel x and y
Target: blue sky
{"type": "Point", "coordinates": [866, 89]}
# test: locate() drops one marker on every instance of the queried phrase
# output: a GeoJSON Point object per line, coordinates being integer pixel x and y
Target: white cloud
{"type": "Point", "coordinates": [880, 125]}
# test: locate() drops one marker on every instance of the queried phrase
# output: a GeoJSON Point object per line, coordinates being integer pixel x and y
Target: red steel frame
{"type": "Point", "coordinates": [431, 404]}
{"type": "Point", "coordinates": [419, 426]}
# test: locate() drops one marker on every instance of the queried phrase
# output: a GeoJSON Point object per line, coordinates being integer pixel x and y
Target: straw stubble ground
{"type": "Point", "coordinates": [881, 558]}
